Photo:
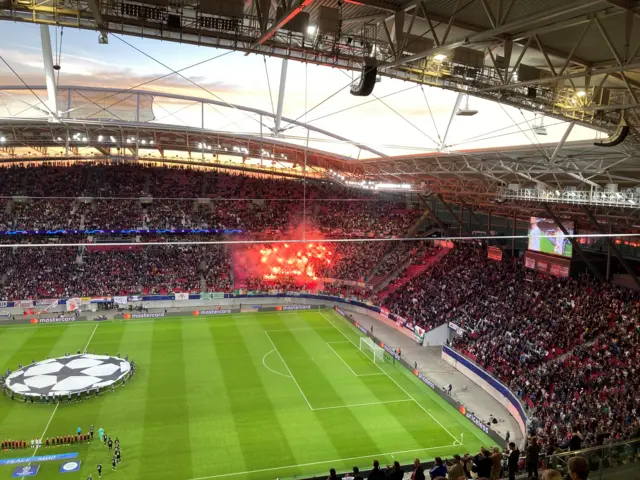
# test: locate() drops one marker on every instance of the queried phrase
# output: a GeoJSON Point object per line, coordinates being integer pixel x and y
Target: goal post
{"type": "Point", "coordinates": [371, 350]}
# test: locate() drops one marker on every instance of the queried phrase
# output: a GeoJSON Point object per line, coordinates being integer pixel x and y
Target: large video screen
{"type": "Point", "coordinates": [546, 237]}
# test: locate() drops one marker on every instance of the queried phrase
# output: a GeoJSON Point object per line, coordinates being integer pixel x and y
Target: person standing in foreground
{"type": "Point", "coordinates": [376, 473]}
{"type": "Point", "coordinates": [455, 470]}
{"type": "Point", "coordinates": [395, 472]}
{"type": "Point", "coordinates": [496, 463]}
{"type": "Point", "coordinates": [513, 460]}
{"type": "Point", "coordinates": [578, 468]}
{"type": "Point", "coordinates": [533, 457]}
{"type": "Point", "coordinates": [418, 471]}
{"type": "Point", "coordinates": [439, 470]}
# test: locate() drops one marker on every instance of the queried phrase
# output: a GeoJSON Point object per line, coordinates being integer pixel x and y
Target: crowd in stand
{"type": "Point", "coordinates": [569, 347]}
{"type": "Point", "coordinates": [96, 196]}
{"type": "Point", "coordinates": [62, 272]}
{"type": "Point", "coordinates": [489, 464]}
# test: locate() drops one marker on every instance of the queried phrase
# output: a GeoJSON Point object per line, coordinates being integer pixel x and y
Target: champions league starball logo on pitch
{"type": "Point", "coordinates": [68, 375]}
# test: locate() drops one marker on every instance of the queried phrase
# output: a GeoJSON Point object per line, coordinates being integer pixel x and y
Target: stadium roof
{"type": "Point", "coordinates": [576, 60]}
{"type": "Point", "coordinates": [533, 54]}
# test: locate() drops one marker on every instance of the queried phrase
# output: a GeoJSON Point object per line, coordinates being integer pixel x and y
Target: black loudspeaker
{"type": "Point", "coordinates": [174, 22]}
{"type": "Point", "coordinates": [617, 138]}
{"type": "Point", "coordinates": [367, 81]}
{"type": "Point", "coordinates": [531, 92]}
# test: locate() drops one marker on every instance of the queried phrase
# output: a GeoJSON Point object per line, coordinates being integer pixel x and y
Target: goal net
{"type": "Point", "coordinates": [371, 350]}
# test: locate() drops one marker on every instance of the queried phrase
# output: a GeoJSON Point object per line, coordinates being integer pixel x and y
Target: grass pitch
{"type": "Point", "coordinates": [249, 396]}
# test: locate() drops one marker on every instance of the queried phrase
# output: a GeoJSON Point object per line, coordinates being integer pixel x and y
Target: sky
{"type": "Point", "coordinates": [400, 118]}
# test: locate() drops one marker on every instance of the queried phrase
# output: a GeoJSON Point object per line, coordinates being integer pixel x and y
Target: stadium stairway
{"type": "Point", "coordinates": [375, 281]}
{"type": "Point", "coordinates": [411, 270]}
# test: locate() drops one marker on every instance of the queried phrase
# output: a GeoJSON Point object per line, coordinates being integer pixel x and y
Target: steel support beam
{"type": "Point", "coordinates": [452, 213]}
{"type": "Point", "coordinates": [608, 276]}
{"type": "Point", "coordinates": [433, 214]}
{"type": "Point", "coordinates": [94, 6]}
{"type": "Point", "coordinates": [560, 144]}
{"type": "Point", "coordinates": [282, 21]}
{"type": "Point", "coordinates": [519, 24]}
{"type": "Point", "coordinates": [49, 73]}
{"type": "Point", "coordinates": [451, 117]}
{"type": "Point", "coordinates": [513, 235]}
{"type": "Point", "coordinates": [281, 93]}
{"type": "Point", "coordinates": [614, 249]}
{"type": "Point", "coordinates": [574, 243]}
{"type": "Point", "coordinates": [589, 72]}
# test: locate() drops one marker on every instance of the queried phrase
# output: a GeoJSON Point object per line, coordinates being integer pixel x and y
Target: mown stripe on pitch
{"type": "Point", "coordinates": [166, 439]}
{"type": "Point", "coordinates": [258, 428]}
{"type": "Point", "coordinates": [215, 444]}
{"type": "Point", "coordinates": [301, 427]}
{"type": "Point", "coordinates": [109, 410]}
{"type": "Point", "coordinates": [341, 427]}
{"type": "Point", "coordinates": [45, 342]}
{"type": "Point", "coordinates": [381, 388]}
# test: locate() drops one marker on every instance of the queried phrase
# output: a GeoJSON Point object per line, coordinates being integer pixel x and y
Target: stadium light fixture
{"type": "Point", "coordinates": [581, 93]}
{"type": "Point", "coordinates": [3, 139]}
{"type": "Point", "coordinates": [311, 30]}
{"type": "Point", "coordinates": [100, 138]}
{"type": "Point", "coordinates": [85, 139]}
{"type": "Point", "coordinates": [439, 57]}
{"type": "Point", "coordinates": [143, 141]}
{"type": "Point", "coordinates": [112, 138]}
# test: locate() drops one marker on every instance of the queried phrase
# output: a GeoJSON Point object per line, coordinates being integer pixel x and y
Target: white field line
{"type": "Point", "coordinates": [322, 462]}
{"type": "Point", "coordinates": [364, 404]}
{"type": "Point", "coordinates": [397, 384]}
{"type": "Point", "coordinates": [297, 329]}
{"type": "Point", "coordinates": [35, 450]}
{"type": "Point", "coordinates": [289, 370]}
{"type": "Point", "coordinates": [345, 362]}
{"type": "Point", "coordinates": [91, 337]}
{"type": "Point", "coordinates": [271, 369]}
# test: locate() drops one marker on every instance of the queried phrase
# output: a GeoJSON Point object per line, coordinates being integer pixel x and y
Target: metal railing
{"type": "Point", "coordinates": [621, 458]}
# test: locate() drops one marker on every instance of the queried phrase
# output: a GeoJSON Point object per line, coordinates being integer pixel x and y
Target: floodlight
{"type": "Point", "coordinates": [439, 57]}
{"type": "Point", "coordinates": [466, 111]}
{"type": "Point", "coordinates": [311, 30]}
{"type": "Point", "coordinates": [3, 139]}
{"type": "Point", "coordinates": [581, 93]}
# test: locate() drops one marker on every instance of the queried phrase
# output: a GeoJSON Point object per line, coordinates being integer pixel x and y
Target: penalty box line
{"type": "Point", "coordinates": [397, 384]}
{"type": "Point", "coordinates": [309, 464]}
{"type": "Point", "coordinates": [275, 349]}
{"type": "Point", "coordinates": [288, 370]}
{"type": "Point", "coordinates": [347, 365]}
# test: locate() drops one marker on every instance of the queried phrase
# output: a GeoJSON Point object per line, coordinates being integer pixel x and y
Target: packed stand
{"type": "Point", "coordinates": [127, 196]}
{"type": "Point", "coordinates": [63, 272]}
